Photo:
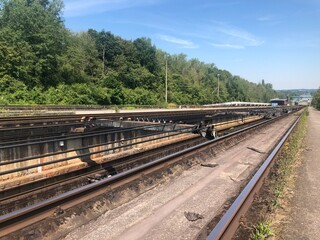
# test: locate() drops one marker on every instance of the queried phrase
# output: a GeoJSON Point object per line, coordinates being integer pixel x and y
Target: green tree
{"type": "Point", "coordinates": [80, 63]}
{"type": "Point", "coordinates": [16, 57]}
{"type": "Point", "coordinates": [36, 26]}
{"type": "Point", "coordinates": [316, 100]}
{"type": "Point", "coordinates": [43, 62]}
{"type": "Point", "coordinates": [13, 90]}
{"type": "Point", "coordinates": [146, 53]}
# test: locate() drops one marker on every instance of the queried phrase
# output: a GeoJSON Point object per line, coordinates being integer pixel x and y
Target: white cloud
{"type": "Point", "coordinates": [239, 35]}
{"type": "Point", "coordinates": [182, 42]}
{"type": "Point", "coordinates": [226, 45]}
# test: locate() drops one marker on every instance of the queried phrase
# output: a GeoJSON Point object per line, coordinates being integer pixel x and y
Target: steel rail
{"type": "Point", "coordinates": [135, 114]}
{"type": "Point", "coordinates": [80, 155]}
{"type": "Point", "coordinates": [69, 117]}
{"type": "Point", "coordinates": [180, 131]}
{"type": "Point", "coordinates": [25, 124]}
{"type": "Point", "coordinates": [78, 135]}
{"type": "Point", "coordinates": [96, 145]}
{"type": "Point", "coordinates": [227, 226]}
{"type": "Point", "coordinates": [123, 162]}
{"type": "Point", "coordinates": [38, 118]}
{"type": "Point", "coordinates": [27, 142]}
{"type": "Point", "coordinates": [82, 135]}
{"type": "Point", "coordinates": [56, 125]}
{"type": "Point", "coordinates": [43, 209]}
{"type": "Point", "coordinates": [102, 107]}
{"type": "Point", "coordinates": [100, 151]}
{"type": "Point", "coordinates": [6, 129]}
{"type": "Point", "coordinates": [115, 163]}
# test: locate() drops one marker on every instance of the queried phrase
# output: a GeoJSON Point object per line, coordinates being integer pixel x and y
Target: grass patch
{"type": "Point", "coordinates": [130, 108]}
{"type": "Point", "coordinates": [260, 219]}
{"type": "Point", "coordinates": [284, 166]}
{"type": "Point", "coordinates": [261, 231]}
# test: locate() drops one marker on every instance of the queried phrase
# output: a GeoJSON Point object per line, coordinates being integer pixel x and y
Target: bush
{"type": "Point", "coordinates": [12, 90]}
{"type": "Point", "coordinates": [316, 100]}
{"type": "Point", "coordinates": [139, 96]}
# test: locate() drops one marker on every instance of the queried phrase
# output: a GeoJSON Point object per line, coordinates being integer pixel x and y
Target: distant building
{"type": "Point", "coordinates": [279, 102]}
{"type": "Point", "coordinates": [301, 100]}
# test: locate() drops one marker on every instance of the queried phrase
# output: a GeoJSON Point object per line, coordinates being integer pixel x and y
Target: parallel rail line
{"type": "Point", "coordinates": [158, 114]}
{"type": "Point", "coordinates": [36, 141]}
{"type": "Point", "coordinates": [119, 165]}
{"type": "Point", "coordinates": [75, 180]}
{"type": "Point", "coordinates": [21, 218]}
{"type": "Point", "coordinates": [174, 133]}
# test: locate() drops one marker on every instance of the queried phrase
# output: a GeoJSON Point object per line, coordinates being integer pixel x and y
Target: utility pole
{"type": "Point", "coordinates": [166, 79]}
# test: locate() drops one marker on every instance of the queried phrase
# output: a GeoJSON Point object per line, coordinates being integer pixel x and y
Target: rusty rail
{"type": "Point", "coordinates": [21, 218]}
{"type": "Point", "coordinates": [229, 223]}
{"type": "Point", "coordinates": [156, 137]}
{"type": "Point", "coordinates": [173, 115]}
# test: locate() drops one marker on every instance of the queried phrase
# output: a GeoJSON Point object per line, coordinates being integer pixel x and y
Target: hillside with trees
{"type": "Point", "coordinates": [296, 92]}
{"type": "Point", "coordinates": [42, 62]}
{"type": "Point", "coordinates": [316, 100]}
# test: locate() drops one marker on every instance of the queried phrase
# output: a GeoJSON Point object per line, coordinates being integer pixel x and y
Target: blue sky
{"type": "Point", "coordinates": [274, 40]}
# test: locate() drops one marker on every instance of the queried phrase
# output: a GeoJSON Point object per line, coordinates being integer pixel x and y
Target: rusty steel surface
{"type": "Point", "coordinates": [120, 165]}
{"type": "Point", "coordinates": [117, 163]}
{"type": "Point", "coordinates": [229, 223]}
{"type": "Point", "coordinates": [173, 133]}
{"type": "Point", "coordinates": [27, 142]}
{"type": "Point", "coordinates": [21, 218]}
{"type": "Point", "coordinates": [77, 117]}
{"type": "Point", "coordinates": [76, 136]}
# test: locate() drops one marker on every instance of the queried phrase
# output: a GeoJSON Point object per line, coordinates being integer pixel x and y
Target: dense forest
{"type": "Point", "coordinates": [42, 62]}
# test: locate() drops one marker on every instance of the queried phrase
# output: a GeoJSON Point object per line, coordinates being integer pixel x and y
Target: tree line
{"type": "Point", "coordinates": [42, 62]}
{"type": "Point", "coordinates": [316, 100]}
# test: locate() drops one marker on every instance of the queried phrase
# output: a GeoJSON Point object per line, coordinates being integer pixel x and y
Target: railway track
{"type": "Point", "coordinates": [32, 127]}
{"type": "Point", "coordinates": [42, 126]}
{"type": "Point", "coordinates": [140, 116]}
{"type": "Point", "coordinates": [89, 174]}
{"type": "Point", "coordinates": [115, 164]}
{"type": "Point", "coordinates": [21, 218]}
{"type": "Point", "coordinates": [86, 153]}
{"type": "Point", "coordinates": [124, 144]}
{"type": "Point", "coordinates": [230, 221]}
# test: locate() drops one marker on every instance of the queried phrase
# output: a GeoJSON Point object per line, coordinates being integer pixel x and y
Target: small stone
{"type": "Point", "coordinates": [58, 211]}
{"type": "Point", "coordinates": [211, 165]}
{"type": "Point", "coordinates": [192, 216]}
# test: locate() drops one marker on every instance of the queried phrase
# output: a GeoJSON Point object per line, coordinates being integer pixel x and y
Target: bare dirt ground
{"type": "Point", "coordinates": [160, 212]}
{"type": "Point", "coordinates": [303, 216]}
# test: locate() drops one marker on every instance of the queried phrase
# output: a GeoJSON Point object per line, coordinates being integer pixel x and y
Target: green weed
{"type": "Point", "coordinates": [261, 231]}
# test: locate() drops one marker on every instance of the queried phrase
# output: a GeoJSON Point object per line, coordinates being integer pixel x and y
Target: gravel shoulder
{"type": "Point", "coordinates": [302, 221]}
{"type": "Point", "coordinates": [160, 212]}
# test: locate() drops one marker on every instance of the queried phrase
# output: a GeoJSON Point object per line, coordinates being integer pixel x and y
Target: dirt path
{"type": "Point", "coordinates": [303, 221]}
{"type": "Point", "coordinates": [159, 213]}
